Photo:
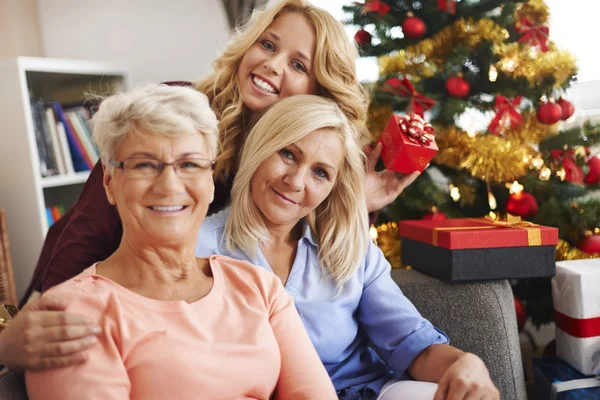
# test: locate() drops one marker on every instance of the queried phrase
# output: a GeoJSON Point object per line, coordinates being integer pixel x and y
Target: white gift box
{"type": "Point", "coordinates": [576, 299]}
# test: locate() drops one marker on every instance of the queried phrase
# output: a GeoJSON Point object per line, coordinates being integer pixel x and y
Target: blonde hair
{"type": "Point", "coordinates": [334, 69]}
{"type": "Point", "coordinates": [158, 109]}
{"type": "Point", "coordinates": [340, 222]}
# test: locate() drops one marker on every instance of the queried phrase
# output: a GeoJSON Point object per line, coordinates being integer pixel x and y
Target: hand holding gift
{"type": "Point", "coordinates": [408, 144]}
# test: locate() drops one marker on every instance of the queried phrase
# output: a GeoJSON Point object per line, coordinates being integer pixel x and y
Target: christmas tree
{"type": "Point", "coordinates": [492, 84]}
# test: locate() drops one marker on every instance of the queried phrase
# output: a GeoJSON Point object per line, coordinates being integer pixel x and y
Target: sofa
{"type": "Point", "coordinates": [479, 317]}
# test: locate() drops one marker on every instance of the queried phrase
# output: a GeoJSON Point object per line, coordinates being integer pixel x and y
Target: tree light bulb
{"type": "Point", "coordinates": [545, 174]}
{"type": "Point", "coordinates": [454, 193]}
{"type": "Point", "coordinates": [373, 233]}
{"type": "Point", "coordinates": [493, 74]}
{"type": "Point", "coordinates": [492, 201]}
{"type": "Point", "coordinates": [515, 187]}
{"type": "Point", "coordinates": [561, 174]}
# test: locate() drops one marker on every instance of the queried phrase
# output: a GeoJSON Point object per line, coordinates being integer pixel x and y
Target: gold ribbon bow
{"type": "Point", "coordinates": [534, 234]}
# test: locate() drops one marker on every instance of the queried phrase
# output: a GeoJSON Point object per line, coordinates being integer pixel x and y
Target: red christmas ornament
{"type": "Point", "coordinates": [521, 314]}
{"type": "Point", "coordinates": [593, 176]}
{"type": "Point", "coordinates": [590, 245]}
{"type": "Point", "coordinates": [447, 5]}
{"type": "Point", "coordinates": [362, 37]}
{"type": "Point", "coordinates": [434, 216]}
{"type": "Point", "coordinates": [567, 108]}
{"type": "Point", "coordinates": [457, 86]}
{"type": "Point", "coordinates": [522, 204]}
{"type": "Point", "coordinates": [377, 6]}
{"type": "Point", "coordinates": [549, 113]}
{"type": "Point", "coordinates": [413, 27]}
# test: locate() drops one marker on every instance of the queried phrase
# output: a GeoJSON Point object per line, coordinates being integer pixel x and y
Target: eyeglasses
{"type": "Point", "coordinates": [187, 168]}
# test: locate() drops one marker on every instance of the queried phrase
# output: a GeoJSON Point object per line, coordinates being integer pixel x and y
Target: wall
{"type": "Point", "coordinates": [19, 29]}
{"type": "Point", "coordinates": [160, 40]}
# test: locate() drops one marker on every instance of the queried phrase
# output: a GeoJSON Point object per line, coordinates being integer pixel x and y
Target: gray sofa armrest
{"type": "Point", "coordinates": [478, 317]}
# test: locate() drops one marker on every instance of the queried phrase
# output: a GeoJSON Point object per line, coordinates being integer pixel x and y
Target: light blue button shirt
{"type": "Point", "coordinates": [370, 310]}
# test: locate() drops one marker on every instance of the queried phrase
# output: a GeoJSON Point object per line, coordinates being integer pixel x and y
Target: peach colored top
{"type": "Point", "coordinates": [244, 340]}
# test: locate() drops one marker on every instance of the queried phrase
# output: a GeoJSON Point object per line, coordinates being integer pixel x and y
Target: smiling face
{"type": "Point", "coordinates": [166, 208]}
{"type": "Point", "coordinates": [280, 63]}
{"type": "Point", "coordinates": [293, 182]}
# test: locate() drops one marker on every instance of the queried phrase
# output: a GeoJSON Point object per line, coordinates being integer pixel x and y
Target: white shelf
{"type": "Point", "coordinates": [24, 193]}
{"type": "Point", "coordinates": [64, 180]}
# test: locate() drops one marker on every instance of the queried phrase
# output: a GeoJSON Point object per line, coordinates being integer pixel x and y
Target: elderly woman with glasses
{"type": "Point", "coordinates": [173, 325]}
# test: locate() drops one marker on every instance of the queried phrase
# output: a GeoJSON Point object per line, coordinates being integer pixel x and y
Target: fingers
{"type": "Point", "coordinates": [57, 318]}
{"type": "Point", "coordinates": [41, 364]}
{"type": "Point", "coordinates": [373, 156]}
{"type": "Point", "coordinates": [457, 390]}
{"type": "Point", "coordinates": [67, 348]}
{"type": "Point", "coordinates": [442, 390]}
{"type": "Point", "coordinates": [49, 303]}
{"type": "Point", "coordinates": [67, 332]}
{"type": "Point", "coordinates": [404, 181]}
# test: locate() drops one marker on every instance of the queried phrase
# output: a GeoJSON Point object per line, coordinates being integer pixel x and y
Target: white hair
{"type": "Point", "coordinates": [157, 109]}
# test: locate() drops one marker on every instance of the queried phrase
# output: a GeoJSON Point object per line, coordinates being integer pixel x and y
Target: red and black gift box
{"type": "Point", "coordinates": [471, 249]}
{"type": "Point", "coordinates": [408, 144]}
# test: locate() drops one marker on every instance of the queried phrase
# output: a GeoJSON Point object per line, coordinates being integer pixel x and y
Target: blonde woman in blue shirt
{"type": "Point", "coordinates": [298, 210]}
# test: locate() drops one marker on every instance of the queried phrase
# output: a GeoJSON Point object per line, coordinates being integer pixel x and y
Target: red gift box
{"type": "Point", "coordinates": [468, 249]}
{"type": "Point", "coordinates": [408, 144]}
{"type": "Point", "coordinates": [477, 233]}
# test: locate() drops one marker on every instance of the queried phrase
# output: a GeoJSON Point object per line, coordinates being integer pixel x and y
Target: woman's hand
{"type": "Point", "coordinates": [384, 186]}
{"type": "Point", "coordinates": [43, 336]}
{"type": "Point", "coordinates": [466, 379]}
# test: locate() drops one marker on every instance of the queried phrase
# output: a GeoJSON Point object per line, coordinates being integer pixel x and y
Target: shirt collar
{"type": "Point", "coordinates": [307, 233]}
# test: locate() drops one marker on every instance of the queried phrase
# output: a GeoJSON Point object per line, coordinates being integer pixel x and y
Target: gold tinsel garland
{"type": "Point", "coordinates": [519, 61]}
{"type": "Point", "coordinates": [488, 157]}
{"type": "Point", "coordinates": [388, 240]}
{"type": "Point", "coordinates": [564, 251]}
{"type": "Point", "coordinates": [531, 130]}
{"type": "Point", "coordinates": [429, 55]}
{"type": "Point", "coordinates": [536, 10]}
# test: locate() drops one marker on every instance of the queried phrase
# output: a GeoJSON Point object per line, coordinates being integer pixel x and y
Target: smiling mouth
{"type": "Point", "coordinates": [167, 208]}
{"type": "Point", "coordinates": [263, 85]}
{"type": "Point", "coordinates": [284, 197]}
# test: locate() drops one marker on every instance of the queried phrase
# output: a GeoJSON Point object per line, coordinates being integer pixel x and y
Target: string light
{"type": "Point", "coordinates": [373, 233]}
{"type": "Point", "coordinates": [515, 187]}
{"type": "Point", "coordinates": [561, 174]}
{"type": "Point", "coordinates": [525, 159]}
{"type": "Point", "coordinates": [537, 162]}
{"type": "Point", "coordinates": [454, 193]}
{"type": "Point", "coordinates": [545, 174]}
{"type": "Point", "coordinates": [492, 201]}
{"type": "Point", "coordinates": [493, 74]}
{"type": "Point", "coordinates": [492, 215]}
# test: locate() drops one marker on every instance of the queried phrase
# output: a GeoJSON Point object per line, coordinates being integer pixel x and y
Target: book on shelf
{"type": "Point", "coordinates": [80, 158]}
{"type": "Point", "coordinates": [47, 160]}
{"type": "Point", "coordinates": [53, 213]}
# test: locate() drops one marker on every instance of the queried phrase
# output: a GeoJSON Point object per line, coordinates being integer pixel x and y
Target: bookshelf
{"type": "Point", "coordinates": [24, 192]}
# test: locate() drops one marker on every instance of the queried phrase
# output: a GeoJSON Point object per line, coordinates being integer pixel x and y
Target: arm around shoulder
{"type": "Point", "coordinates": [103, 375]}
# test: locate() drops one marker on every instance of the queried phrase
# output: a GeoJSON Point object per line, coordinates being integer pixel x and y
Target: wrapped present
{"type": "Point", "coordinates": [557, 380]}
{"type": "Point", "coordinates": [576, 301]}
{"type": "Point", "coordinates": [469, 249]}
{"type": "Point", "coordinates": [408, 144]}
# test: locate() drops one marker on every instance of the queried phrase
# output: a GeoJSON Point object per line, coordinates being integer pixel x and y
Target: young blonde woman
{"type": "Point", "coordinates": [297, 209]}
{"type": "Point", "coordinates": [286, 49]}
